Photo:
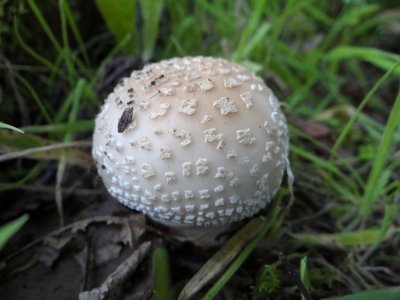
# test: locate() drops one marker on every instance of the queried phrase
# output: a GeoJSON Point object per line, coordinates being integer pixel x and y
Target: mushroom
{"type": "Point", "coordinates": [193, 143]}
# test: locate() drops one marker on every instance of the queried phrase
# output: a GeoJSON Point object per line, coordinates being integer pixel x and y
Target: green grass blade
{"type": "Point", "coordinates": [35, 97]}
{"type": "Point", "coordinates": [101, 68]}
{"type": "Point", "coordinates": [71, 101]}
{"type": "Point", "coordinates": [10, 127]}
{"type": "Point", "coordinates": [272, 220]}
{"type": "Point", "coordinates": [383, 151]}
{"type": "Point", "coordinates": [257, 39]}
{"type": "Point", "coordinates": [382, 294]}
{"type": "Point", "coordinates": [251, 28]}
{"type": "Point", "coordinates": [346, 186]}
{"type": "Point", "coordinates": [67, 55]}
{"type": "Point", "coordinates": [44, 24]}
{"type": "Point", "coordinates": [75, 99]}
{"type": "Point", "coordinates": [9, 229]}
{"type": "Point", "coordinates": [363, 103]}
{"type": "Point", "coordinates": [391, 211]}
{"type": "Point", "coordinates": [304, 274]}
{"type": "Point", "coordinates": [120, 17]}
{"type": "Point", "coordinates": [77, 126]}
{"type": "Point", "coordinates": [75, 31]}
{"type": "Point", "coordinates": [151, 14]}
{"type": "Point", "coordinates": [235, 265]}
{"type": "Point", "coordinates": [345, 239]}
{"type": "Point", "coordinates": [379, 58]}
{"type": "Point", "coordinates": [162, 275]}
{"type": "Point", "coordinates": [221, 259]}
{"type": "Point", "coordinates": [53, 68]}
{"type": "Point", "coordinates": [211, 8]}
{"type": "Point", "coordinates": [32, 173]}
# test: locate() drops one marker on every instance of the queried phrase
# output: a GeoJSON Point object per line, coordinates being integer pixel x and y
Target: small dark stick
{"type": "Point", "coordinates": [125, 120]}
{"type": "Point", "coordinates": [153, 82]}
{"type": "Point", "coordinates": [294, 276]}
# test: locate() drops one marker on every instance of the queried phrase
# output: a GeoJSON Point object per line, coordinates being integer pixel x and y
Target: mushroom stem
{"type": "Point", "coordinates": [212, 237]}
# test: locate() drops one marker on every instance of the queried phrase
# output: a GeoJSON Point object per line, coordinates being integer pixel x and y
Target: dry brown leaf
{"type": "Point", "coordinates": [313, 129]}
{"type": "Point", "coordinates": [110, 289]}
{"type": "Point", "coordinates": [14, 145]}
{"type": "Point", "coordinates": [51, 249]}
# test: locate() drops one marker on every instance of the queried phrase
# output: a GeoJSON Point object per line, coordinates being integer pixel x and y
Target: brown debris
{"type": "Point", "coordinates": [110, 289]}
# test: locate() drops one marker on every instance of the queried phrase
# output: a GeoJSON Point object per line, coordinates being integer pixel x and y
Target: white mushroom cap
{"type": "Point", "coordinates": [199, 141]}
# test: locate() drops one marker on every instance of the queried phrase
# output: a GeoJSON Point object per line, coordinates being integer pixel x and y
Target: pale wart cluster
{"type": "Point", "coordinates": [195, 140]}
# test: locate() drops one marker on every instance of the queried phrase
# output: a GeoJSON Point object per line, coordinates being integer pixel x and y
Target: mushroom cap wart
{"type": "Point", "coordinates": [199, 141]}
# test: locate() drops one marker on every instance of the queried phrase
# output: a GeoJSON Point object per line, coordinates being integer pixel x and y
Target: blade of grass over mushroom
{"type": "Point", "coordinates": [222, 258]}
{"type": "Point", "coordinates": [381, 294]}
{"type": "Point", "coordinates": [9, 229]}
{"type": "Point", "coordinates": [10, 127]}
{"type": "Point", "coordinates": [162, 275]}
{"type": "Point", "coordinates": [120, 18]}
{"type": "Point", "coordinates": [386, 145]}
{"type": "Point", "coordinates": [363, 103]}
{"type": "Point", "coordinates": [151, 11]}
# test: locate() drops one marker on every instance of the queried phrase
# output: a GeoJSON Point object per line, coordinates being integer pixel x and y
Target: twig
{"type": "Point", "coordinates": [111, 287]}
{"type": "Point", "coordinates": [14, 155]}
{"type": "Point", "coordinates": [15, 67]}
{"type": "Point", "coordinates": [368, 275]}
{"type": "Point", "coordinates": [71, 190]}
{"type": "Point", "coordinates": [79, 224]}
{"type": "Point", "coordinates": [86, 263]}
{"type": "Point", "coordinates": [347, 280]}
{"type": "Point", "coordinates": [58, 187]}
{"type": "Point", "coordinates": [20, 100]}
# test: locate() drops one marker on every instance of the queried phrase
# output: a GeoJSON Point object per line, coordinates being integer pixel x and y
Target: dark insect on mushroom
{"type": "Point", "coordinates": [125, 120]}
